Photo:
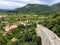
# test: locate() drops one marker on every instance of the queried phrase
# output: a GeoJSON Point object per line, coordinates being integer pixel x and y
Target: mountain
{"type": "Point", "coordinates": [35, 8]}
{"type": "Point", "coordinates": [39, 8]}
{"type": "Point", "coordinates": [56, 7]}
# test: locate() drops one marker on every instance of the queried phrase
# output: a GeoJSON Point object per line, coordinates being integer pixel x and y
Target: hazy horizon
{"type": "Point", "coordinates": [12, 4]}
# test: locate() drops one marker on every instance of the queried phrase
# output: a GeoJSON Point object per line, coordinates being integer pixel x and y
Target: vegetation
{"type": "Point", "coordinates": [52, 22]}
{"type": "Point", "coordinates": [29, 15]}
{"type": "Point", "coordinates": [21, 35]}
{"type": "Point", "coordinates": [34, 9]}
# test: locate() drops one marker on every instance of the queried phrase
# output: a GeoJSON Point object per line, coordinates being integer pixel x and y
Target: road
{"type": "Point", "coordinates": [47, 36]}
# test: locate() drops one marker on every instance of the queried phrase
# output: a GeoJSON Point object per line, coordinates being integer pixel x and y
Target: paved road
{"type": "Point", "coordinates": [47, 36]}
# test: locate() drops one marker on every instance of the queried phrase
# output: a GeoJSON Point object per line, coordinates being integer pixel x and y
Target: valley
{"type": "Point", "coordinates": [20, 26]}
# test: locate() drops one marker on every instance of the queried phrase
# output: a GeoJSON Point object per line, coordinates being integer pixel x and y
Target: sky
{"type": "Point", "coordinates": [12, 4]}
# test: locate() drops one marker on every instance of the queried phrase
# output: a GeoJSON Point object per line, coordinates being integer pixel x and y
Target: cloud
{"type": "Point", "coordinates": [11, 4]}
{"type": "Point", "coordinates": [37, 2]}
{"type": "Point", "coordinates": [27, 1]}
{"type": "Point", "coordinates": [55, 1]}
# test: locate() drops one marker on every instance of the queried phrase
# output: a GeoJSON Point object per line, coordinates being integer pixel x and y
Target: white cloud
{"type": "Point", "coordinates": [8, 4]}
{"type": "Point", "coordinates": [5, 2]}
{"type": "Point", "coordinates": [11, 4]}
{"type": "Point", "coordinates": [28, 1]}
{"type": "Point", "coordinates": [33, 1]}
{"type": "Point", "coordinates": [55, 1]}
{"type": "Point", "coordinates": [37, 2]}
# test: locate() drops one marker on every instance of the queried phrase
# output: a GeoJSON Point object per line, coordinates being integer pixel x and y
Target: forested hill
{"type": "Point", "coordinates": [56, 7]}
{"type": "Point", "coordinates": [29, 8]}
{"type": "Point", "coordinates": [35, 8]}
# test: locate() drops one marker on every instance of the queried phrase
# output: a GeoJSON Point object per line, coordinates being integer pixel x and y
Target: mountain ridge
{"type": "Point", "coordinates": [35, 8]}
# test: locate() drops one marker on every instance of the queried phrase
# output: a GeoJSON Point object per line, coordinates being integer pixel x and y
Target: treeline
{"type": "Point", "coordinates": [52, 22]}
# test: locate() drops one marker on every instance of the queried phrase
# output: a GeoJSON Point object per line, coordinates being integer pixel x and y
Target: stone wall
{"type": "Point", "coordinates": [47, 36]}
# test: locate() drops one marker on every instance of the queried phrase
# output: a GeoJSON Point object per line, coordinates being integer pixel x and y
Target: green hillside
{"type": "Point", "coordinates": [56, 7]}
{"type": "Point", "coordinates": [35, 8]}
{"type": "Point", "coordinates": [26, 34]}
